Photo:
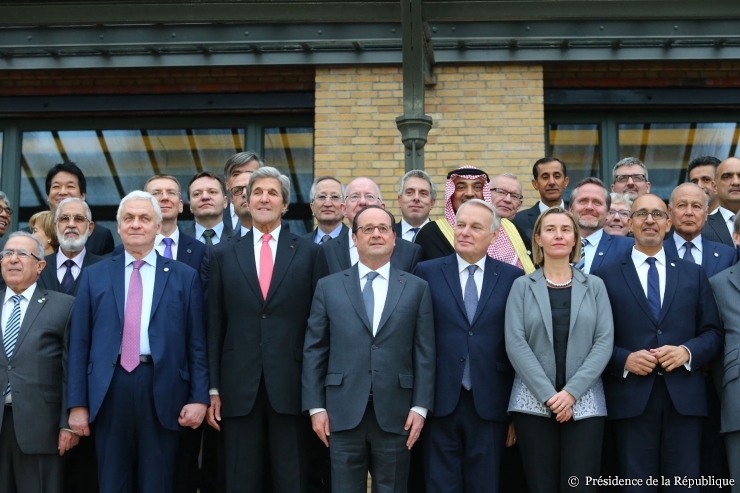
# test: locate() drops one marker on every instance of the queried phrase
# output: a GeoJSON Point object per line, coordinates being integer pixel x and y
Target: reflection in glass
{"type": "Point", "coordinates": [577, 145]}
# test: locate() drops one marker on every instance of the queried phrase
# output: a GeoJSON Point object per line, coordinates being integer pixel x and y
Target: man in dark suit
{"type": "Point", "coordinates": [468, 429]}
{"type": "Point", "coordinates": [341, 252]}
{"type": "Point", "coordinates": [719, 225]}
{"type": "Point", "coordinates": [666, 326]}
{"type": "Point", "coordinates": [34, 432]}
{"type": "Point", "coordinates": [368, 362]}
{"type": "Point", "coordinates": [589, 204]}
{"type": "Point", "coordinates": [550, 179]}
{"type": "Point", "coordinates": [137, 356]}
{"type": "Point", "coordinates": [241, 162]}
{"type": "Point", "coordinates": [207, 197]}
{"type": "Point", "coordinates": [416, 198]}
{"type": "Point", "coordinates": [327, 206]}
{"type": "Point", "coordinates": [259, 297]}
{"type": "Point", "coordinates": [702, 171]}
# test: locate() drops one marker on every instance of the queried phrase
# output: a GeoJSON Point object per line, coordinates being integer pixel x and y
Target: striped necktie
{"type": "Point", "coordinates": [12, 328]}
{"type": "Point", "coordinates": [582, 263]}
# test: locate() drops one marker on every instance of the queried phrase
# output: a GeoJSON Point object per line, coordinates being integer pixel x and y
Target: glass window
{"type": "Point", "coordinates": [577, 145]}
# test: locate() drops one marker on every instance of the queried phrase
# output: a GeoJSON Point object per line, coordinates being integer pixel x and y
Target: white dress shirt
{"type": "Point", "coordinates": [333, 233]}
{"type": "Point", "coordinates": [592, 244]}
{"type": "Point", "coordinates": [544, 207]}
{"type": "Point", "coordinates": [244, 230]}
{"type": "Point", "coordinates": [258, 246]}
{"type": "Point", "coordinates": [696, 252]}
{"type": "Point", "coordinates": [726, 215]}
{"type": "Point", "coordinates": [234, 217]}
{"type": "Point", "coordinates": [147, 271]}
{"type": "Point", "coordinates": [462, 267]}
{"type": "Point", "coordinates": [159, 245]}
{"type": "Point", "coordinates": [354, 255]}
{"type": "Point", "coordinates": [76, 268]}
{"type": "Point", "coordinates": [7, 309]}
{"type": "Point", "coordinates": [219, 229]}
{"type": "Point", "coordinates": [406, 230]}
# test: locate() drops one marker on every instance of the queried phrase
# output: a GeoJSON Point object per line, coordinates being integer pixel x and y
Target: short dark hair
{"type": "Point", "coordinates": [357, 216]}
{"type": "Point", "coordinates": [702, 161]}
{"type": "Point", "coordinates": [67, 167]}
{"type": "Point", "coordinates": [207, 174]}
{"type": "Point", "coordinates": [545, 160]}
{"type": "Point", "coordinates": [593, 181]}
{"type": "Point", "coordinates": [240, 159]}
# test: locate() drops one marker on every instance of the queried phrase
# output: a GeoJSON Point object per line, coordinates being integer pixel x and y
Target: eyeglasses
{"type": "Point", "coordinates": [22, 254]}
{"type": "Point", "coordinates": [625, 178]}
{"type": "Point", "coordinates": [355, 197]}
{"type": "Point", "coordinates": [642, 214]}
{"type": "Point", "coordinates": [503, 193]}
{"type": "Point", "coordinates": [7, 210]}
{"type": "Point", "coordinates": [384, 229]}
{"type": "Point", "coordinates": [624, 214]}
{"type": "Point", "coordinates": [165, 193]}
{"type": "Point", "coordinates": [78, 218]}
{"type": "Point", "coordinates": [238, 190]}
{"type": "Point", "coordinates": [335, 199]}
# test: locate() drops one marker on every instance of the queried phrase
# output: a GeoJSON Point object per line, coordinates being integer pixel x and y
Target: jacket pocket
{"type": "Point", "coordinates": [406, 381]}
{"type": "Point", "coordinates": [89, 367]}
{"type": "Point", "coordinates": [333, 379]}
{"type": "Point", "coordinates": [185, 375]}
{"type": "Point", "coordinates": [731, 374]}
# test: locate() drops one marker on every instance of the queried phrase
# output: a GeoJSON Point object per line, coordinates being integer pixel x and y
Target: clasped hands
{"type": "Point", "coordinates": [644, 361]}
{"type": "Point", "coordinates": [562, 405]}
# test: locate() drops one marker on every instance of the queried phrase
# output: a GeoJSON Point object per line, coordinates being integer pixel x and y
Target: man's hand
{"type": "Point", "coordinates": [320, 425]}
{"type": "Point", "coordinates": [511, 435]}
{"type": "Point", "coordinates": [79, 418]}
{"type": "Point", "coordinates": [192, 415]}
{"type": "Point", "coordinates": [415, 422]}
{"type": "Point", "coordinates": [641, 362]}
{"type": "Point", "coordinates": [214, 412]}
{"type": "Point", "coordinates": [67, 440]}
{"type": "Point", "coordinates": [671, 357]}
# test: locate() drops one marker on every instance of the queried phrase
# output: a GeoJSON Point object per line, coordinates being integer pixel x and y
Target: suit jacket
{"type": "Point", "coordinates": [49, 280]}
{"type": "Point", "coordinates": [311, 235]}
{"type": "Point", "coordinates": [688, 317]}
{"type": "Point", "coordinates": [250, 337]}
{"type": "Point", "coordinates": [189, 251]}
{"type": "Point", "coordinates": [37, 372]}
{"type": "Point", "coordinates": [405, 254]}
{"type": "Point", "coordinates": [715, 257]}
{"type": "Point", "coordinates": [228, 231]}
{"type": "Point", "coordinates": [726, 287]}
{"type": "Point", "coordinates": [609, 249]}
{"type": "Point", "coordinates": [529, 335]}
{"type": "Point", "coordinates": [716, 230]}
{"type": "Point", "coordinates": [524, 220]}
{"type": "Point", "coordinates": [482, 341]}
{"type": "Point", "coordinates": [343, 362]}
{"type": "Point", "coordinates": [176, 337]}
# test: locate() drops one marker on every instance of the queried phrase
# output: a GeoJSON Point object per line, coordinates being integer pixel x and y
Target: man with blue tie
{"type": "Point", "coordinates": [137, 357]}
{"type": "Point", "coordinates": [666, 326]}
{"type": "Point", "coordinates": [468, 429]}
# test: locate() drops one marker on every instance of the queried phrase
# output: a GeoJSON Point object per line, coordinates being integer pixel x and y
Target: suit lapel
{"type": "Point", "coordinates": [244, 251]}
{"type": "Point", "coordinates": [709, 258]}
{"type": "Point", "coordinates": [577, 293]}
{"type": "Point", "coordinates": [37, 301]}
{"type": "Point", "coordinates": [604, 243]}
{"type": "Point", "coordinates": [633, 282]}
{"type": "Point", "coordinates": [671, 279]}
{"type": "Point", "coordinates": [490, 278]}
{"type": "Point", "coordinates": [341, 250]}
{"type": "Point", "coordinates": [452, 277]}
{"type": "Point", "coordinates": [396, 283]}
{"type": "Point", "coordinates": [286, 248]}
{"type": "Point", "coordinates": [184, 252]}
{"type": "Point", "coordinates": [352, 287]}
{"type": "Point", "coordinates": [735, 277]}
{"type": "Point", "coordinates": [539, 289]}
{"type": "Point", "coordinates": [717, 223]}
{"type": "Point", "coordinates": [161, 275]}
{"type": "Point", "coordinates": [117, 271]}
{"type": "Point", "coordinates": [50, 270]}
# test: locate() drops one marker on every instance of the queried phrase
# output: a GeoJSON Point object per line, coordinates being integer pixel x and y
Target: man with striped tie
{"type": "Point", "coordinates": [34, 433]}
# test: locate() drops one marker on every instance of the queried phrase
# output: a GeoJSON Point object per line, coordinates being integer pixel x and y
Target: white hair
{"type": "Point", "coordinates": [140, 194]}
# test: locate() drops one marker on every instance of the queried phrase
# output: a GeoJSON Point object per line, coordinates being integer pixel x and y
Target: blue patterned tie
{"type": "Point", "coordinates": [368, 296]}
{"type": "Point", "coordinates": [68, 280]}
{"type": "Point", "coordinates": [653, 290]}
{"type": "Point", "coordinates": [582, 263]}
{"type": "Point", "coordinates": [12, 328]}
{"type": "Point", "coordinates": [687, 255]}
{"type": "Point", "coordinates": [470, 297]}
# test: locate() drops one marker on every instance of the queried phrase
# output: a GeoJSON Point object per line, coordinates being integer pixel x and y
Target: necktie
{"type": "Point", "coordinates": [68, 280]}
{"type": "Point", "coordinates": [416, 232]}
{"type": "Point", "coordinates": [12, 328]}
{"type": "Point", "coordinates": [653, 290]}
{"type": "Point", "coordinates": [132, 320]}
{"type": "Point", "coordinates": [168, 246]}
{"type": "Point", "coordinates": [208, 234]}
{"type": "Point", "coordinates": [470, 297]}
{"type": "Point", "coordinates": [687, 254]}
{"type": "Point", "coordinates": [582, 263]}
{"type": "Point", "coordinates": [368, 296]}
{"type": "Point", "coordinates": [325, 238]}
{"type": "Point", "coordinates": [265, 264]}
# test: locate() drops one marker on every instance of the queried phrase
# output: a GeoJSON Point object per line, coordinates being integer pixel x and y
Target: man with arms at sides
{"type": "Point", "coordinates": [618, 215]}
{"type": "Point", "coordinates": [550, 179]}
{"type": "Point", "coordinates": [207, 195]}
{"type": "Point", "coordinates": [437, 237]}
{"type": "Point", "coordinates": [368, 362]}
{"type": "Point", "coordinates": [589, 204]}
{"type": "Point", "coordinates": [417, 196]}
{"type": "Point", "coordinates": [341, 252]}
{"type": "Point", "coordinates": [702, 171]}
{"type": "Point", "coordinates": [5, 213]}
{"type": "Point", "coordinates": [327, 206]}
{"type": "Point", "coordinates": [666, 326]}
{"type": "Point", "coordinates": [468, 429]}
{"type": "Point", "coordinates": [719, 226]}
{"type": "Point", "coordinates": [137, 356]}
{"type": "Point", "coordinates": [34, 433]}
{"type": "Point", "coordinates": [241, 162]}
{"type": "Point", "coordinates": [259, 298]}
{"type": "Point", "coordinates": [630, 176]}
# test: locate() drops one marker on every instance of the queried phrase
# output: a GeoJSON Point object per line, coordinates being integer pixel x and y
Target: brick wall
{"type": "Point", "coordinates": [487, 116]}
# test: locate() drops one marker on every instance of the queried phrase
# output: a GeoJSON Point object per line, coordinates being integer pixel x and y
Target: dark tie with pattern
{"type": "Point", "coordinates": [653, 288]}
{"type": "Point", "coordinates": [12, 328]}
{"type": "Point", "coordinates": [687, 255]}
{"type": "Point", "coordinates": [582, 263]}
{"type": "Point", "coordinates": [208, 235]}
{"type": "Point", "coordinates": [68, 280]}
{"type": "Point", "coordinates": [168, 247]}
{"type": "Point", "coordinates": [416, 232]}
{"type": "Point", "coordinates": [470, 297]}
{"type": "Point", "coordinates": [368, 296]}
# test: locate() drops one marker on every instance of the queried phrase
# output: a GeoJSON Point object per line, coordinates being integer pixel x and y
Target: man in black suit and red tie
{"type": "Point", "coordinates": [260, 290]}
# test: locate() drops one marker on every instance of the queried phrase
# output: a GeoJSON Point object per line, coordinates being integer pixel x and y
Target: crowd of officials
{"type": "Point", "coordinates": [573, 346]}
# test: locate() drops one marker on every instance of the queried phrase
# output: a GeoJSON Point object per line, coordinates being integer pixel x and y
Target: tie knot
{"type": "Point", "coordinates": [472, 269]}
{"type": "Point", "coordinates": [689, 245]}
{"type": "Point", "coordinates": [732, 218]}
{"type": "Point", "coordinates": [168, 241]}
{"type": "Point", "coordinates": [325, 238]}
{"type": "Point", "coordinates": [584, 242]}
{"type": "Point", "coordinates": [138, 264]}
{"type": "Point", "coordinates": [415, 230]}
{"type": "Point", "coordinates": [69, 263]}
{"type": "Point", "coordinates": [266, 237]}
{"type": "Point", "coordinates": [650, 260]}
{"type": "Point", "coordinates": [209, 233]}
{"type": "Point", "coordinates": [17, 298]}
{"type": "Point", "coordinates": [371, 276]}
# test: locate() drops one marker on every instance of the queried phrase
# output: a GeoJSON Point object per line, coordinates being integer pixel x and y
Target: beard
{"type": "Point", "coordinates": [72, 245]}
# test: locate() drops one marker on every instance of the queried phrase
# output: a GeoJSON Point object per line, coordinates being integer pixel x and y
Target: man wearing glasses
{"type": "Point", "coordinates": [327, 206]}
{"type": "Point", "coordinates": [416, 198]}
{"type": "Point", "coordinates": [666, 327]}
{"type": "Point", "coordinates": [630, 176]}
{"type": "Point", "coordinates": [341, 252]}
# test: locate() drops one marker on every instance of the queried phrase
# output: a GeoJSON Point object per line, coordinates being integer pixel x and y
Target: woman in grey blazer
{"type": "Point", "coordinates": [559, 337]}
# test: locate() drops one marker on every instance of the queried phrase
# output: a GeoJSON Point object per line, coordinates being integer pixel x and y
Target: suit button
{"type": "Point", "coordinates": [264, 316]}
{"type": "Point", "coordinates": [660, 332]}
{"type": "Point", "coordinates": [369, 372]}
{"type": "Point", "coordinates": [375, 347]}
{"type": "Point", "coordinates": [470, 333]}
{"type": "Point", "coordinates": [10, 367]}
{"type": "Point", "coordinates": [113, 364]}
{"type": "Point", "coordinates": [462, 359]}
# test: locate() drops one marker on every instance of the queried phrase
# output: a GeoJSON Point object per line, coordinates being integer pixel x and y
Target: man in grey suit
{"type": "Point", "coordinates": [369, 362]}
{"type": "Point", "coordinates": [35, 324]}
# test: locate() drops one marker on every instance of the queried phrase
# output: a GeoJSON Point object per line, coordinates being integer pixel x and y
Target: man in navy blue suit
{"type": "Point", "coordinates": [589, 204]}
{"type": "Point", "coordinates": [137, 355]}
{"type": "Point", "coordinates": [666, 326]}
{"type": "Point", "coordinates": [468, 430]}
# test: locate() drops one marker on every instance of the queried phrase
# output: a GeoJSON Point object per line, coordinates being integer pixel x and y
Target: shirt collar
{"type": "Point", "coordinates": [27, 294]}
{"type": "Point", "coordinates": [219, 229]}
{"type": "Point", "coordinates": [333, 233]}
{"type": "Point", "coordinates": [150, 258]}
{"type": "Point", "coordinates": [406, 227]}
{"type": "Point", "coordinates": [78, 259]}
{"type": "Point", "coordinates": [175, 238]}
{"type": "Point", "coordinates": [258, 234]}
{"type": "Point", "coordinates": [594, 238]}
{"type": "Point", "coordinates": [463, 264]}
{"type": "Point", "coordinates": [726, 213]}
{"type": "Point", "coordinates": [639, 258]}
{"type": "Point", "coordinates": [384, 271]}
{"type": "Point", "coordinates": [543, 207]}
{"type": "Point", "coordinates": [680, 241]}
{"type": "Point", "coordinates": [244, 230]}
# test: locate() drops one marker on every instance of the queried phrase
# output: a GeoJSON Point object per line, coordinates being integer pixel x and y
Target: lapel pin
{"type": "Point", "coordinates": [291, 246]}
{"type": "Point", "coordinates": [166, 269]}
{"type": "Point", "coordinates": [716, 254]}
{"type": "Point", "coordinates": [672, 264]}
{"type": "Point", "coordinates": [189, 250]}
{"type": "Point", "coordinates": [601, 254]}
{"type": "Point", "coordinates": [400, 281]}
{"type": "Point", "coordinates": [42, 300]}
